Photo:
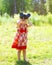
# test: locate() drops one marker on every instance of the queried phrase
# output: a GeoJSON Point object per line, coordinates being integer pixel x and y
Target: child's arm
{"type": "Point", "coordinates": [18, 23]}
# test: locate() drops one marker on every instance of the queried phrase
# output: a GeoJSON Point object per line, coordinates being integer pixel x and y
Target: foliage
{"type": "Point", "coordinates": [5, 18]}
{"type": "Point", "coordinates": [49, 5]}
{"type": "Point", "coordinates": [49, 18]}
{"type": "Point", "coordinates": [35, 19]}
{"type": "Point", "coordinates": [8, 6]}
{"type": "Point", "coordinates": [16, 6]}
{"type": "Point", "coordinates": [41, 19]}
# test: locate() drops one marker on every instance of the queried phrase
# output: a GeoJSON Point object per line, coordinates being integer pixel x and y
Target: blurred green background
{"type": "Point", "coordinates": [39, 46]}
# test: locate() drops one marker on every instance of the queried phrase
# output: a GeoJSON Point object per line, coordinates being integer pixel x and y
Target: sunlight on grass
{"type": "Point", "coordinates": [39, 49]}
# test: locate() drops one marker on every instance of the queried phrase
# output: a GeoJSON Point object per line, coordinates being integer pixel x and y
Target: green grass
{"type": "Point", "coordinates": [39, 50]}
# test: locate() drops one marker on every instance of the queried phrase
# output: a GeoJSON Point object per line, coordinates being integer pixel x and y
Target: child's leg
{"type": "Point", "coordinates": [19, 52]}
{"type": "Point", "coordinates": [24, 54]}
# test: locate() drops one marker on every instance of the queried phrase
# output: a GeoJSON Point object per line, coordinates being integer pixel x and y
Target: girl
{"type": "Point", "coordinates": [20, 41]}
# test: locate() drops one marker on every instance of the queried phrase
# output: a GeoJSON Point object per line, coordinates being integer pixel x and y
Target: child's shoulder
{"type": "Point", "coordinates": [18, 21]}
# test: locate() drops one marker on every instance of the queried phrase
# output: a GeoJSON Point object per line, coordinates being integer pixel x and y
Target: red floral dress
{"type": "Point", "coordinates": [20, 40]}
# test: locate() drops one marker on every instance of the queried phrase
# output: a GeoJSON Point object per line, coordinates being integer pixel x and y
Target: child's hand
{"type": "Point", "coordinates": [30, 23]}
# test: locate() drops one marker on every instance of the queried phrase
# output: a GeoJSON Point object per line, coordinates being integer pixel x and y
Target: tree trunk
{"type": "Point", "coordinates": [22, 5]}
{"type": "Point", "coordinates": [15, 8]}
{"type": "Point", "coordinates": [42, 1]}
{"type": "Point", "coordinates": [42, 7]}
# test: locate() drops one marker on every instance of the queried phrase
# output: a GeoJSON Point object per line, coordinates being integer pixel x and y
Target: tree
{"type": "Point", "coordinates": [49, 5]}
{"type": "Point", "coordinates": [15, 7]}
{"type": "Point", "coordinates": [35, 5]}
{"type": "Point", "coordinates": [42, 7]}
{"type": "Point", "coordinates": [1, 7]}
{"type": "Point", "coordinates": [7, 6]}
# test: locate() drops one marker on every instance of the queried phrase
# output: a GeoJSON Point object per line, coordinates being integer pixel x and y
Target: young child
{"type": "Point", "coordinates": [20, 40]}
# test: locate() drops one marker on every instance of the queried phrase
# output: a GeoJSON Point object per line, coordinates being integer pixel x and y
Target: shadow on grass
{"type": "Point", "coordinates": [22, 63]}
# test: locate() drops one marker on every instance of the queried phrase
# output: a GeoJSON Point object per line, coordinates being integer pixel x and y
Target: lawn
{"type": "Point", "coordinates": [39, 49]}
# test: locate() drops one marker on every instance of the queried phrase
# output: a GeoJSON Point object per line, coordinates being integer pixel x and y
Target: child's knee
{"type": "Point", "coordinates": [19, 51]}
{"type": "Point", "coordinates": [24, 50]}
